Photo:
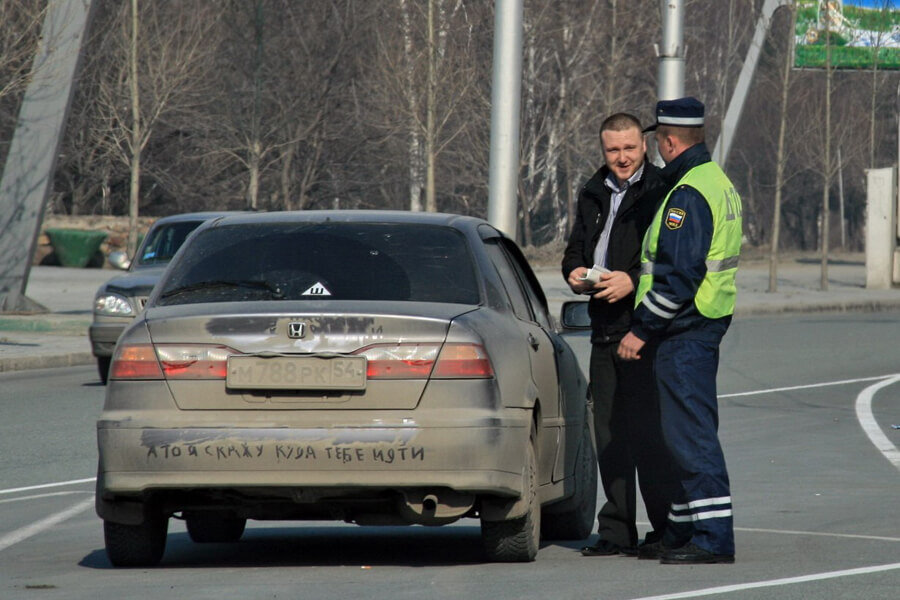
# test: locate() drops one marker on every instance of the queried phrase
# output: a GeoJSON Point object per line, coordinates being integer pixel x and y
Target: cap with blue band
{"type": "Point", "coordinates": [681, 112]}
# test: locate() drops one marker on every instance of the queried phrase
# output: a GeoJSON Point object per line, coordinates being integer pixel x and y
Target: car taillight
{"type": "Point", "coordinates": [170, 361]}
{"type": "Point", "coordinates": [137, 361]}
{"type": "Point", "coordinates": [197, 361]}
{"type": "Point", "coordinates": [419, 361]}
{"type": "Point", "coordinates": [463, 361]}
{"type": "Point", "coordinates": [399, 361]}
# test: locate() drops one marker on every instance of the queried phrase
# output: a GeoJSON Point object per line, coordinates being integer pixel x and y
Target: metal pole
{"type": "Point", "coordinates": [670, 84]}
{"type": "Point", "coordinates": [742, 87]}
{"type": "Point", "coordinates": [30, 163]}
{"type": "Point", "coordinates": [506, 89]}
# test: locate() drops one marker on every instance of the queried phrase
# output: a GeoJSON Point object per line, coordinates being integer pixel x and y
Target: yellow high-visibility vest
{"type": "Point", "coordinates": [716, 295]}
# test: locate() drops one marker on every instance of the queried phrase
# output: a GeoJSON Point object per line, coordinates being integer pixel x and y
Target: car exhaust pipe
{"type": "Point", "coordinates": [429, 504]}
{"type": "Point", "coordinates": [435, 507]}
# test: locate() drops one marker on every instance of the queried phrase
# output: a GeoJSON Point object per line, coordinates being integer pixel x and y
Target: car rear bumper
{"type": "Point", "coordinates": [480, 458]}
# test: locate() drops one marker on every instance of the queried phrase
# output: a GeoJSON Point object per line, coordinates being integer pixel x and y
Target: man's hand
{"type": "Point", "coordinates": [614, 286]}
{"type": "Point", "coordinates": [630, 346]}
{"type": "Point", "coordinates": [575, 282]}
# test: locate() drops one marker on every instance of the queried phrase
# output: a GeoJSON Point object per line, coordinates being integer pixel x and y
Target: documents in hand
{"type": "Point", "coordinates": [593, 275]}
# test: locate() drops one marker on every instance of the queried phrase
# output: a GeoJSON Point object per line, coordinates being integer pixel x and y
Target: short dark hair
{"type": "Point", "coordinates": [620, 122]}
{"type": "Point", "coordinates": [689, 135]}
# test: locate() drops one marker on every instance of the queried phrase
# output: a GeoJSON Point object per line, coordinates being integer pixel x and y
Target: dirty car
{"type": "Point", "coordinates": [373, 367]}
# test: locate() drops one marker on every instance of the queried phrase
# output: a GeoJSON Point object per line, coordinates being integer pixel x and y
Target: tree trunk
{"type": "Point", "coordinates": [287, 164]}
{"type": "Point", "coordinates": [612, 63]}
{"type": "Point", "coordinates": [430, 196]}
{"type": "Point", "coordinates": [254, 166]}
{"type": "Point", "coordinates": [527, 236]}
{"type": "Point", "coordinates": [827, 161]}
{"type": "Point", "coordinates": [780, 161]}
{"type": "Point", "coordinates": [135, 181]}
{"type": "Point", "coordinates": [414, 149]}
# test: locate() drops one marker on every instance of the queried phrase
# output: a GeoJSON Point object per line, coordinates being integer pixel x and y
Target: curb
{"type": "Point", "coordinates": [49, 361]}
{"type": "Point", "coordinates": [60, 324]}
{"type": "Point", "coordinates": [862, 306]}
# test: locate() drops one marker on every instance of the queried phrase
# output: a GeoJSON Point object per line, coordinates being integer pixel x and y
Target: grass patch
{"type": "Point", "coordinates": [845, 57]}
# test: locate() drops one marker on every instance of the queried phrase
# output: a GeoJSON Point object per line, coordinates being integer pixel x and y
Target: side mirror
{"type": "Point", "coordinates": [119, 259]}
{"type": "Point", "coordinates": [574, 315]}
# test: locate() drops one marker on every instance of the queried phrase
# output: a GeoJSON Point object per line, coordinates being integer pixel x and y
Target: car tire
{"type": "Point", "coordinates": [214, 528]}
{"type": "Point", "coordinates": [103, 363]}
{"type": "Point", "coordinates": [573, 518]}
{"type": "Point", "coordinates": [136, 545]}
{"type": "Point", "coordinates": [517, 540]}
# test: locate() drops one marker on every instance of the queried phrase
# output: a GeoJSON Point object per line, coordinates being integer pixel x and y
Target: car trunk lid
{"type": "Point", "coordinates": [303, 359]}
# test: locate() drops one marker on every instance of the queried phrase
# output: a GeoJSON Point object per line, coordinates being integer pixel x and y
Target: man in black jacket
{"type": "Point", "coordinates": [615, 207]}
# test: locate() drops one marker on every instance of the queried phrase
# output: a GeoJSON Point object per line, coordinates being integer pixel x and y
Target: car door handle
{"type": "Point", "coordinates": [533, 341]}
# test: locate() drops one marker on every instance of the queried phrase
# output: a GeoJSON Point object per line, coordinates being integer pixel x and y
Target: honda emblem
{"type": "Point", "coordinates": [296, 330]}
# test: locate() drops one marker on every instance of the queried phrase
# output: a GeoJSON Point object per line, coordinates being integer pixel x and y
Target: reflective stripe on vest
{"type": "Point", "coordinates": [716, 295]}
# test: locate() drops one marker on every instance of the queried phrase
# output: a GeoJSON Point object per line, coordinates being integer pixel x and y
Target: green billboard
{"type": "Point", "coordinates": [863, 34]}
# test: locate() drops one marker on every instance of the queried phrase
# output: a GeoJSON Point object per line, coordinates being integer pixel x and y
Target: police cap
{"type": "Point", "coordinates": [681, 112]}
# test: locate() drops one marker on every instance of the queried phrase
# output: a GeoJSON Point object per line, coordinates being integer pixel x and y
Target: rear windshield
{"type": "Point", "coordinates": [164, 242]}
{"type": "Point", "coordinates": [315, 261]}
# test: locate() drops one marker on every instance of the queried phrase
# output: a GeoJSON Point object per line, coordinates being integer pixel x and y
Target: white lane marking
{"type": "Point", "coordinates": [46, 523]}
{"type": "Point", "coordinates": [870, 425]}
{"type": "Point", "coordinates": [47, 485]}
{"type": "Point", "coordinates": [39, 496]}
{"type": "Point", "coordinates": [740, 587]}
{"type": "Point", "coordinates": [878, 538]}
{"type": "Point", "coordinates": [811, 385]}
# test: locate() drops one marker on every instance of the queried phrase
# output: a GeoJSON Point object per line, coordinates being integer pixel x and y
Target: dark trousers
{"type": "Point", "coordinates": [702, 513]}
{"type": "Point", "coordinates": [629, 437]}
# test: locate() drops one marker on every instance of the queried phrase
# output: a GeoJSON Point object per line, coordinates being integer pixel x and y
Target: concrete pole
{"type": "Point", "coordinates": [881, 227]}
{"type": "Point", "coordinates": [506, 90]}
{"type": "Point", "coordinates": [670, 82]}
{"type": "Point", "coordinates": [28, 172]}
{"type": "Point", "coordinates": [742, 87]}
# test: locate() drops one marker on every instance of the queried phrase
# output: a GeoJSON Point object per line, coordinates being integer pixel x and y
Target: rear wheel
{"type": "Point", "coordinates": [517, 540]}
{"type": "Point", "coordinates": [214, 528]}
{"type": "Point", "coordinates": [103, 363]}
{"type": "Point", "coordinates": [573, 518]}
{"type": "Point", "coordinates": [136, 545]}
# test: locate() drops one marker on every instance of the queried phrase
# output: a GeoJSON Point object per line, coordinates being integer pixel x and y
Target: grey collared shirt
{"type": "Point", "coordinates": [615, 201]}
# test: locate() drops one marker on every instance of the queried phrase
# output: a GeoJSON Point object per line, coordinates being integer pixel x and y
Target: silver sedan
{"type": "Point", "coordinates": [372, 367]}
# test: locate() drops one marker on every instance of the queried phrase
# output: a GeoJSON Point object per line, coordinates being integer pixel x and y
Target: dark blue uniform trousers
{"type": "Point", "coordinates": [686, 378]}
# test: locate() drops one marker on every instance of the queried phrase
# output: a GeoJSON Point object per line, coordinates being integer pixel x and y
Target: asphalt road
{"type": "Point", "coordinates": [807, 408]}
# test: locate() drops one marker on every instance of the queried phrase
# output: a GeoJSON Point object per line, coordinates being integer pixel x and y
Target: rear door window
{"type": "Point", "coordinates": [340, 261]}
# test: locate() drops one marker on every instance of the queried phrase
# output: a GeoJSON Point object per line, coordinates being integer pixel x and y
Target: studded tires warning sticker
{"type": "Point", "coordinates": [675, 218]}
{"type": "Point", "coordinates": [317, 289]}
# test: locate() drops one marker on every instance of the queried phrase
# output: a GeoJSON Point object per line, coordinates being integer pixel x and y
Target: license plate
{"type": "Point", "coordinates": [297, 373]}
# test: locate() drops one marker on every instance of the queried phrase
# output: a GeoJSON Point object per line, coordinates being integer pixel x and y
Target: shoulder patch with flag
{"type": "Point", "coordinates": [675, 218]}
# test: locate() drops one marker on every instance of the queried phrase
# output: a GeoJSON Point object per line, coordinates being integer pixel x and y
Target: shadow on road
{"type": "Point", "coordinates": [323, 547]}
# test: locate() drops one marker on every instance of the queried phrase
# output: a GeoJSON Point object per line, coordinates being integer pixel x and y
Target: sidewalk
{"type": "Point", "coordinates": [59, 338]}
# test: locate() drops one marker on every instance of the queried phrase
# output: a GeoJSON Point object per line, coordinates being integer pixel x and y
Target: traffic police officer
{"type": "Point", "coordinates": [685, 300]}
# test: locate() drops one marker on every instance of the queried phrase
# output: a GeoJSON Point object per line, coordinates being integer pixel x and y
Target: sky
{"type": "Point", "coordinates": [869, 3]}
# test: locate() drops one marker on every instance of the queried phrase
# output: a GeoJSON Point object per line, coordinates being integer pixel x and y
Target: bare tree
{"type": "Point", "coordinates": [878, 43]}
{"type": "Point", "coordinates": [826, 159]}
{"type": "Point", "coordinates": [154, 72]}
{"type": "Point", "coordinates": [780, 156]}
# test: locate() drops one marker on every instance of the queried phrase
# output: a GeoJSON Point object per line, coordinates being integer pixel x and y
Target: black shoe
{"type": "Point", "coordinates": [692, 554]}
{"type": "Point", "coordinates": [602, 548]}
{"type": "Point", "coordinates": [650, 550]}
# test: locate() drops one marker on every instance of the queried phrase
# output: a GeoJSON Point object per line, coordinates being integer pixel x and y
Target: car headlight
{"type": "Point", "coordinates": [113, 305]}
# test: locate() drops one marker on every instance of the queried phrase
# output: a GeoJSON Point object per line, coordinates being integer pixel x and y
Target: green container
{"type": "Point", "coordinates": [75, 247]}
